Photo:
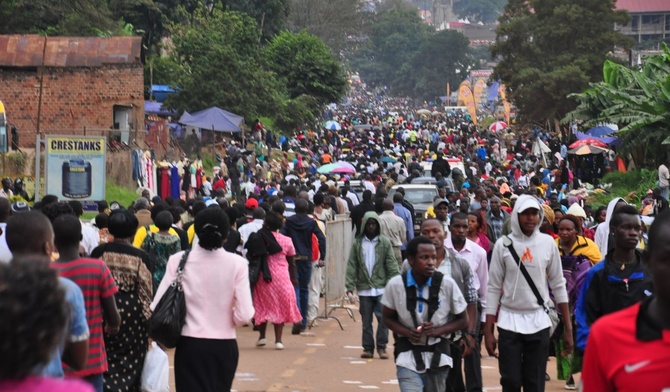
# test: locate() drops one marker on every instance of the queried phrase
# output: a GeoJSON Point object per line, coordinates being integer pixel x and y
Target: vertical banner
{"type": "Point", "coordinates": [460, 100]}
{"type": "Point", "coordinates": [480, 87]}
{"type": "Point", "coordinates": [76, 167]}
{"type": "Point", "coordinates": [448, 94]}
{"type": "Point", "coordinates": [468, 100]}
{"type": "Point", "coordinates": [506, 105]}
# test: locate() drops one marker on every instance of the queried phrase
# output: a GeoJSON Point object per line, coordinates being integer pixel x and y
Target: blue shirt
{"type": "Point", "coordinates": [77, 327]}
{"type": "Point", "coordinates": [406, 216]}
{"type": "Point", "coordinates": [419, 289]}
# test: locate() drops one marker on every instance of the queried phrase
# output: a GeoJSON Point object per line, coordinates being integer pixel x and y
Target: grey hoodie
{"type": "Point", "coordinates": [540, 256]}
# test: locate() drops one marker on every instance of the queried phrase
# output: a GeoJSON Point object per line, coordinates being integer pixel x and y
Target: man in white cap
{"type": "Point", "coordinates": [524, 322]}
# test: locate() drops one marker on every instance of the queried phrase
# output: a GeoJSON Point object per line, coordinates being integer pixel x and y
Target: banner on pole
{"type": "Point", "coordinates": [76, 167]}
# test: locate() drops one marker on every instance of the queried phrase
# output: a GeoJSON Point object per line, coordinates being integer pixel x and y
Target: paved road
{"type": "Point", "coordinates": [327, 359]}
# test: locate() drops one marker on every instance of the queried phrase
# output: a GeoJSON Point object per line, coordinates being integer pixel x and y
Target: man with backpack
{"type": "Point", "coordinates": [422, 307]}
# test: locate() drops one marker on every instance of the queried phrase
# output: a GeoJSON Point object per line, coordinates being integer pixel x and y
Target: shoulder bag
{"type": "Point", "coordinates": [169, 316]}
{"type": "Point", "coordinates": [550, 309]}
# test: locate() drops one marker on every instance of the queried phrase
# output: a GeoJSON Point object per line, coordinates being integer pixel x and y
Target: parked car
{"type": "Point", "coordinates": [431, 180]}
{"type": "Point", "coordinates": [356, 186]}
{"type": "Point", "coordinates": [420, 196]}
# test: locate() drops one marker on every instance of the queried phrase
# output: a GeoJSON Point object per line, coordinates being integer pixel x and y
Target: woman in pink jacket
{"type": "Point", "coordinates": [218, 298]}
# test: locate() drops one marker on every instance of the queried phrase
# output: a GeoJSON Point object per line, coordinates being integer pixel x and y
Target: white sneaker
{"type": "Point", "coordinates": [260, 343]}
{"type": "Point", "coordinates": [279, 346]}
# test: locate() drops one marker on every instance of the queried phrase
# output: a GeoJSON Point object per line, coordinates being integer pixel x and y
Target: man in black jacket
{"type": "Point", "coordinates": [300, 228]}
{"type": "Point", "coordinates": [440, 166]}
{"type": "Point", "coordinates": [357, 212]}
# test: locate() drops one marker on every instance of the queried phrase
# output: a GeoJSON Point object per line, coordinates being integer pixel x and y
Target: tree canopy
{"type": "Point", "coordinates": [549, 49]}
{"type": "Point", "coordinates": [410, 57]}
{"type": "Point", "coordinates": [306, 66]}
{"type": "Point", "coordinates": [637, 100]}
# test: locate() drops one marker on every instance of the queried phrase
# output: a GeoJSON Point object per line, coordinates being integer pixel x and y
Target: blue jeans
{"type": "Point", "coordinates": [95, 380]}
{"type": "Point", "coordinates": [664, 192]}
{"type": "Point", "coordinates": [429, 381]}
{"type": "Point", "coordinates": [304, 274]}
{"type": "Point", "coordinates": [367, 307]}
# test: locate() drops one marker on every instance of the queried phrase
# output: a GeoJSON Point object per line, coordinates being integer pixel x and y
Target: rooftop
{"type": "Point", "coordinates": [638, 6]}
{"type": "Point", "coordinates": [27, 51]}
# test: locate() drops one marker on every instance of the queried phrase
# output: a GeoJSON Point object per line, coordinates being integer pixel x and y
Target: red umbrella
{"type": "Point", "coordinates": [588, 141]}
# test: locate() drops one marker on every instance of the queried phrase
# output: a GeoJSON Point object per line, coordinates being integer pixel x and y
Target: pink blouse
{"type": "Point", "coordinates": [40, 384]}
{"type": "Point", "coordinates": [217, 292]}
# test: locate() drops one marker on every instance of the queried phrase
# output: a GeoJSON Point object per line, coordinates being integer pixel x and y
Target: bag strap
{"type": "Point", "coordinates": [182, 262]}
{"type": "Point", "coordinates": [510, 246]}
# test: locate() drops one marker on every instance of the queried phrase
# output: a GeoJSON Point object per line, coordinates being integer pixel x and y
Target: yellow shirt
{"type": "Point", "coordinates": [141, 234]}
{"type": "Point", "coordinates": [583, 247]}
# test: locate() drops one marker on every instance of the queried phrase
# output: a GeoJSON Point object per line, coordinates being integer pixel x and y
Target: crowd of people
{"type": "Point", "coordinates": [511, 255]}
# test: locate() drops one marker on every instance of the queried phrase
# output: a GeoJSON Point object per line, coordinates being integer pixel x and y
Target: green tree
{"type": "Point", "coordinates": [441, 58]}
{"type": "Point", "coordinates": [71, 17]}
{"type": "Point", "coordinates": [395, 35]}
{"type": "Point", "coordinates": [340, 33]}
{"type": "Point", "coordinates": [638, 100]}
{"type": "Point", "coordinates": [485, 11]}
{"type": "Point", "coordinates": [270, 15]}
{"type": "Point", "coordinates": [549, 49]}
{"type": "Point", "coordinates": [306, 66]}
{"type": "Point", "coordinates": [220, 64]}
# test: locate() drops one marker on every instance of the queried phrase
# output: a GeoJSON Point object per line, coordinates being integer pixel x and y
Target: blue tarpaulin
{"type": "Point", "coordinates": [160, 91]}
{"type": "Point", "coordinates": [214, 119]}
{"type": "Point", "coordinates": [157, 108]}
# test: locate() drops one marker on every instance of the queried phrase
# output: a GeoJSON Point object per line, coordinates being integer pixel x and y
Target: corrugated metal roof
{"type": "Point", "coordinates": [644, 5]}
{"type": "Point", "coordinates": [26, 51]}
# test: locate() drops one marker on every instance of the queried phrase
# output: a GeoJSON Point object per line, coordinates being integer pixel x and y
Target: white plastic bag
{"type": "Point", "coordinates": [156, 371]}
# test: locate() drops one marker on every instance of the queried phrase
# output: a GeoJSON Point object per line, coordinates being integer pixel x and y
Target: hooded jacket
{"type": "Point", "coordinates": [603, 230]}
{"type": "Point", "coordinates": [385, 268]}
{"type": "Point", "coordinates": [300, 228]}
{"type": "Point", "coordinates": [540, 256]}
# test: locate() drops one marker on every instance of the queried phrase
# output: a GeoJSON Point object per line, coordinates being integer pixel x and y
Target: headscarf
{"type": "Point", "coordinates": [549, 214]}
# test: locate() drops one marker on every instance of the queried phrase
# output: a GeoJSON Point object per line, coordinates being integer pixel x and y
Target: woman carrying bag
{"type": "Point", "coordinates": [218, 298]}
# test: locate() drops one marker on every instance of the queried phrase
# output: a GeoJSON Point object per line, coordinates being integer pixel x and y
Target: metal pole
{"type": "Point", "coordinates": [39, 102]}
{"type": "Point", "coordinates": [37, 167]}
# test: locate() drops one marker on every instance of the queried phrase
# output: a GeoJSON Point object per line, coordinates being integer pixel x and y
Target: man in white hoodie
{"type": "Point", "coordinates": [523, 324]}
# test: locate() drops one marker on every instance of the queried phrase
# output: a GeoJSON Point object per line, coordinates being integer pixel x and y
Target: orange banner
{"type": "Point", "coordinates": [506, 104]}
{"type": "Point", "coordinates": [467, 99]}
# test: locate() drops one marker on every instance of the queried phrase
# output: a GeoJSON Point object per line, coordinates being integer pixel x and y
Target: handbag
{"type": "Point", "coordinates": [169, 316]}
{"type": "Point", "coordinates": [550, 309]}
{"type": "Point", "coordinates": [156, 371]}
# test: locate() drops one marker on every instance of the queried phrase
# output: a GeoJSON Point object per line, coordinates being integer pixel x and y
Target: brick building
{"type": "Point", "coordinates": [90, 85]}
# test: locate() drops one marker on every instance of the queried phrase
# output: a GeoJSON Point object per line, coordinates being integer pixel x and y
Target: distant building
{"type": "Point", "coordinates": [650, 20]}
{"type": "Point", "coordinates": [88, 83]}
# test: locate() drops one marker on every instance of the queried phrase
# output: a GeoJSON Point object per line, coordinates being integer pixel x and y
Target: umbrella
{"type": "Point", "coordinates": [423, 112]}
{"type": "Point", "coordinates": [605, 139]}
{"type": "Point", "coordinates": [588, 142]}
{"type": "Point", "coordinates": [600, 131]}
{"type": "Point", "coordinates": [344, 164]}
{"type": "Point", "coordinates": [388, 159]}
{"type": "Point", "coordinates": [327, 168]}
{"type": "Point", "coordinates": [332, 125]}
{"type": "Point", "coordinates": [587, 149]}
{"type": "Point", "coordinates": [498, 126]}
{"type": "Point", "coordinates": [343, 170]}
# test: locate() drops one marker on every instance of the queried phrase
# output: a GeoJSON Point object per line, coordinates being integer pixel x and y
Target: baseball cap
{"type": "Point", "coordinates": [526, 202]}
{"type": "Point", "coordinates": [437, 202]}
{"type": "Point", "coordinates": [251, 203]}
{"type": "Point", "coordinates": [19, 207]}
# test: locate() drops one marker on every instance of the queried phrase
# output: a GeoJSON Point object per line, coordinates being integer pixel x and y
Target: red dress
{"type": "Point", "coordinates": [275, 301]}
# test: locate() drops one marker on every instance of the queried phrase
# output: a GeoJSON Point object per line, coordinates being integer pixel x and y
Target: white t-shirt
{"type": "Point", "coordinates": [451, 303]}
